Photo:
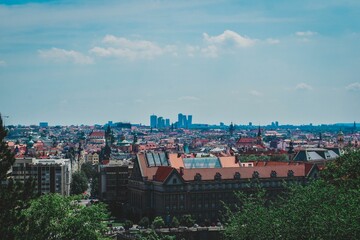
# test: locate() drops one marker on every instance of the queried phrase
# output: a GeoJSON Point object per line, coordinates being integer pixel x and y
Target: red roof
{"type": "Point", "coordinates": [99, 134]}
{"type": "Point", "coordinates": [162, 173]}
{"type": "Point", "coordinates": [247, 140]}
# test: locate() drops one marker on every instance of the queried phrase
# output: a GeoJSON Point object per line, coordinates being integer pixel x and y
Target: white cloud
{"type": "Point", "coordinates": [230, 37]}
{"type": "Point", "coordinates": [63, 55]}
{"type": "Point", "coordinates": [303, 87]}
{"type": "Point", "coordinates": [210, 51]}
{"type": "Point", "coordinates": [188, 98]}
{"type": "Point", "coordinates": [256, 93]}
{"type": "Point", "coordinates": [2, 63]}
{"type": "Point", "coordinates": [305, 34]}
{"type": "Point", "coordinates": [272, 41]}
{"type": "Point", "coordinates": [122, 47]}
{"type": "Point", "coordinates": [353, 86]}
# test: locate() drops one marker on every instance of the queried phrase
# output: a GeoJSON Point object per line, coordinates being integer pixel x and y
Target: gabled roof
{"type": "Point", "coordinates": [162, 173]}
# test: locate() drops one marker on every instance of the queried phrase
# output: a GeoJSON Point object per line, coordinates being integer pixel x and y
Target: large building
{"type": "Point", "coordinates": [153, 121]}
{"type": "Point", "coordinates": [175, 184]}
{"type": "Point", "coordinates": [50, 175]}
{"type": "Point", "coordinates": [113, 181]}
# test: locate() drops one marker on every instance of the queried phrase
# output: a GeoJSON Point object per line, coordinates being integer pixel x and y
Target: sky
{"type": "Point", "coordinates": [88, 62]}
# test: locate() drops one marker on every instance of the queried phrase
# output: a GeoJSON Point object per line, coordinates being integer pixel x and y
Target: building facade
{"type": "Point", "coordinates": [50, 175]}
{"type": "Point", "coordinates": [172, 184]}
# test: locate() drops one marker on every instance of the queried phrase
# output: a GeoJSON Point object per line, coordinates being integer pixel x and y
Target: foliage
{"type": "Point", "coordinates": [88, 169]}
{"type": "Point", "coordinates": [144, 222]}
{"type": "Point", "coordinates": [79, 183]}
{"type": "Point", "coordinates": [344, 171]}
{"type": "Point", "coordinates": [14, 196]}
{"type": "Point", "coordinates": [6, 156]}
{"type": "Point", "coordinates": [158, 222]}
{"type": "Point", "coordinates": [128, 224]}
{"type": "Point", "coordinates": [155, 236]}
{"type": "Point", "coordinates": [325, 209]}
{"type": "Point", "coordinates": [253, 158]}
{"type": "Point", "coordinates": [187, 220]}
{"type": "Point", "coordinates": [95, 185]}
{"type": "Point", "coordinates": [175, 222]}
{"type": "Point", "coordinates": [279, 158]}
{"type": "Point", "coordinates": [53, 216]}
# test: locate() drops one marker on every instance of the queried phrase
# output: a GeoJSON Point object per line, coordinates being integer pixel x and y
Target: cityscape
{"type": "Point", "coordinates": [177, 120]}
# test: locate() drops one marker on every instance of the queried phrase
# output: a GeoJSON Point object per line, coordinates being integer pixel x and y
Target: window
{"type": "Point", "coordinates": [255, 174]}
{"type": "Point", "coordinates": [197, 177]}
{"type": "Point", "coordinates": [290, 173]}
{"type": "Point", "coordinates": [217, 176]}
{"type": "Point", "coordinates": [273, 174]}
{"type": "Point", "coordinates": [174, 181]}
{"type": "Point", "coordinates": [237, 176]}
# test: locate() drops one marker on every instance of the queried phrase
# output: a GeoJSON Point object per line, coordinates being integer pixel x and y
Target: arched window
{"type": "Point", "coordinates": [290, 173]}
{"type": "Point", "coordinates": [217, 176]}
{"type": "Point", "coordinates": [273, 174]}
{"type": "Point", "coordinates": [237, 176]}
{"type": "Point", "coordinates": [256, 174]}
{"type": "Point", "coordinates": [197, 177]}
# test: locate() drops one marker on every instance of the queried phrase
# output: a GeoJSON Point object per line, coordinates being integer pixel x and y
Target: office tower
{"type": "Point", "coordinates": [180, 120]}
{"type": "Point", "coordinates": [189, 121]}
{"type": "Point", "coordinates": [167, 122]}
{"type": "Point", "coordinates": [153, 121]}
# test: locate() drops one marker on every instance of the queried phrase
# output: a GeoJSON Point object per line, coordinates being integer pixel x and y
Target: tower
{"type": "Point", "coordinates": [153, 121]}
{"type": "Point", "coordinates": [340, 138]}
{"type": "Point", "coordinates": [259, 137]}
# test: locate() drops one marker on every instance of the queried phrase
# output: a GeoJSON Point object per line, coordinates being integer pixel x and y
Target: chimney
{"type": "Point", "coordinates": [181, 171]}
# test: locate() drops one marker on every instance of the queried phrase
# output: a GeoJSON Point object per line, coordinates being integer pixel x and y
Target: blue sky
{"type": "Point", "coordinates": [74, 62]}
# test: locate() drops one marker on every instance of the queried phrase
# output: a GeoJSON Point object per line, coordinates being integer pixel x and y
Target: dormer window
{"type": "Point", "coordinates": [273, 174]}
{"type": "Point", "coordinates": [197, 177]}
{"type": "Point", "coordinates": [290, 173]}
{"type": "Point", "coordinates": [256, 174]}
{"type": "Point", "coordinates": [237, 176]}
{"type": "Point", "coordinates": [217, 176]}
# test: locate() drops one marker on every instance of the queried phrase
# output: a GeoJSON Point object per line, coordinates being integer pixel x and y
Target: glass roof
{"type": "Point", "coordinates": [209, 162]}
{"type": "Point", "coordinates": [156, 159]}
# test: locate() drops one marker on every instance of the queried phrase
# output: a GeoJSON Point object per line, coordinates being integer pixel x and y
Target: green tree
{"type": "Point", "coordinates": [14, 196]}
{"type": "Point", "coordinates": [89, 170]}
{"type": "Point", "coordinates": [7, 158]}
{"type": "Point", "coordinates": [53, 216]}
{"type": "Point", "coordinates": [328, 208]}
{"type": "Point", "coordinates": [128, 224]}
{"type": "Point", "coordinates": [144, 222]}
{"type": "Point", "coordinates": [187, 220]}
{"type": "Point", "coordinates": [158, 222]}
{"type": "Point", "coordinates": [95, 185]}
{"type": "Point", "coordinates": [79, 183]}
{"type": "Point", "coordinates": [175, 222]}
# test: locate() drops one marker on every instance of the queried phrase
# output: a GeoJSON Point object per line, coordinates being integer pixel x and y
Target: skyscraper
{"type": "Point", "coordinates": [189, 121]}
{"type": "Point", "coordinates": [153, 121]}
{"type": "Point", "coordinates": [180, 120]}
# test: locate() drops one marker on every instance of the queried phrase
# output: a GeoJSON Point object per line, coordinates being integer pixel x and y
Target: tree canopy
{"type": "Point", "coordinates": [53, 216]}
{"type": "Point", "coordinates": [79, 183]}
{"type": "Point", "coordinates": [14, 196]}
{"type": "Point", "coordinates": [328, 208]}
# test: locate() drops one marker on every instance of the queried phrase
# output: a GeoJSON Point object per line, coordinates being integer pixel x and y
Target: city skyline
{"type": "Point", "coordinates": [85, 62]}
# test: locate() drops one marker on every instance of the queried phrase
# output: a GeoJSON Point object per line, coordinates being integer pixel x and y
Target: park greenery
{"type": "Point", "coordinates": [26, 215]}
{"type": "Point", "coordinates": [328, 208]}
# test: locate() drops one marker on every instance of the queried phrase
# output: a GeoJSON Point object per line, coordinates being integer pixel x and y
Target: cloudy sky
{"type": "Point", "coordinates": [73, 62]}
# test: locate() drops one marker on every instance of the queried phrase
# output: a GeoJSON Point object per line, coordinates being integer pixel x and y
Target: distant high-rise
{"type": "Point", "coordinates": [167, 122]}
{"type": "Point", "coordinates": [43, 124]}
{"type": "Point", "coordinates": [189, 121]}
{"type": "Point", "coordinates": [153, 121]}
{"type": "Point", "coordinates": [160, 122]}
{"type": "Point", "coordinates": [180, 120]}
